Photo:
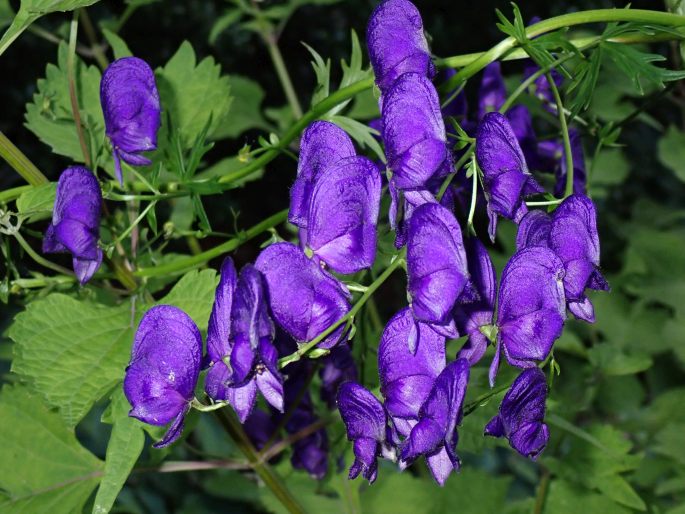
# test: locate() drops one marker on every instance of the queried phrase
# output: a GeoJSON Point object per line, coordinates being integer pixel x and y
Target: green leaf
{"type": "Point", "coordinates": [72, 352]}
{"type": "Point", "coordinates": [124, 448]}
{"type": "Point", "coordinates": [610, 168]}
{"type": "Point", "coordinates": [473, 490]}
{"type": "Point", "coordinates": [31, 10]}
{"type": "Point", "coordinates": [322, 70]}
{"type": "Point", "coordinates": [37, 203]}
{"type": "Point", "coordinates": [613, 361]}
{"type": "Point", "coordinates": [119, 46]}
{"type": "Point", "coordinates": [192, 93]}
{"type": "Point", "coordinates": [44, 468]}
{"type": "Point", "coordinates": [618, 489]}
{"type": "Point", "coordinates": [194, 293]}
{"type": "Point", "coordinates": [230, 17]}
{"type": "Point", "coordinates": [399, 494]}
{"type": "Point", "coordinates": [49, 115]}
{"type": "Point", "coordinates": [363, 134]}
{"type": "Point", "coordinates": [583, 83]}
{"type": "Point", "coordinates": [564, 497]}
{"type": "Point", "coordinates": [6, 13]}
{"type": "Point", "coordinates": [671, 151]}
{"type": "Point", "coordinates": [246, 109]}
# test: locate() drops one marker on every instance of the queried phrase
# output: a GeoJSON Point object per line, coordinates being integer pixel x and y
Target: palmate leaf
{"type": "Point", "coordinates": [44, 468]}
{"type": "Point", "coordinates": [31, 10]}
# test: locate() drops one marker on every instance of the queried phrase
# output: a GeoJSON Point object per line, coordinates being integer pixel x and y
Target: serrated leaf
{"type": "Point", "coordinates": [72, 352]}
{"type": "Point", "coordinates": [322, 70]}
{"type": "Point", "coordinates": [583, 83]}
{"type": "Point", "coordinates": [613, 361]}
{"type": "Point", "coordinates": [192, 93]}
{"type": "Point", "coordinates": [119, 46]}
{"type": "Point", "coordinates": [363, 134]}
{"type": "Point", "coordinates": [123, 449]}
{"type": "Point", "coordinates": [618, 489]}
{"type": "Point", "coordinates": [44, 468]}
{"type": "Point", "coordinates": [671, 151]}
{"type": "Point", "coordinates": [564, 497]}
{"type": "Point", "coordinates": [246, 109]}
{"type": "Point", "coordinates": [31, 10]}
{"type": "Point", "coordinates": [194, 293]}
{"type": "Point", "coordinates": [49, 115]}
{"type": "Point", "coordinates": [37, 202]}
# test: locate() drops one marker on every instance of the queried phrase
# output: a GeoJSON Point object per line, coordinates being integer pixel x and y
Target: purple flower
{"type": "Point", "coordinates": [336, 368]}
{"type": "Point", "coordinates": [305, 300]}
{"type": "Point", "coordinates": [436, 265]}
{"type": "Point", "coordinates": [492, 92]}
{"type": "Point", "coordinates": [521, 414]}
{"type": "Point", "coordinates": [323, 144]}
{"type": "Point", "coordinates": [365, 421]}
{"type": "Point", "coordinates": [402, 206]}
{"type": "Point", "coordinates": [571, 232]}
{"type": "Point", "coordinates": [522, 126]}
{"type": "Point", "coordinates": [553, 155]}
{"type": "Point", "coordinates": [506, 178]}
{"type": "Point", "coordinates": [342, 214]}
{"type": "Point", "coordinates": [396, 43]}
{"type": "Point", "coordinates": [165, 364]}
{"type": "Point", "coordinates": [240, 343]}
{"type": "Point", "coordinates": [531, 307]}
{"type": "Point", "coordinates": [259, 427]}
{"type": "Point", "coordinates": [75, 226]}
{"type": "Point", "coordinates": [407, 376]}
{"type": "Point", "coordinates": [414, 132]}
{"type": "Point", "coordinates": [471, 316]}
{"type": "Point", "coordinates": [435, 435]}
{"type": "Point", "coordinates": [130, 104]}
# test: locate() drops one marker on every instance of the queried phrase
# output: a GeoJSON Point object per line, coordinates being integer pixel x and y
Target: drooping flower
{"type": "Point", "coordinates": [366, 422]}
{"type": "Point", "coordinates": [240, 343]}
{"type": "Point", "coordinates": [75, 226]}
{"type": "Point", "coordinates": [571, 233]}
{"type": "Point", "coordinates": [436, 266]}
{"type": "Point", "coordinates": [323, 144]}
{"type": "Point", "coordinates": [164, 368]}
{"type": "Point", "coordinates": [407, 376]}
{"type": "Point", "coordinates": [506, 179]}
{"type": "Point", "coordinates": [492, 92]}
{"type": "Point", "coordinates": [396, 43]}
{"type": "Point", "coordinates": [305, 300]}
{"type": "Point", "coordinates": [336, 368]}
{"type": "Point", "coordinates": [471, 316]}
{"type": "Point", "coordinates": [435, 434]}
{"type": "Point", "coordinates": [342, 214]}
{"type": "Point", "coordinates": [521, 414]}
{"type": "Point", "coordinates": [531, 307]}
{"type": "Point", "coordinates": [130, 104]}
{"type": "Point", "coordinates": [553, 155]}
{"type": "Point", "coordinates": [414, 132]}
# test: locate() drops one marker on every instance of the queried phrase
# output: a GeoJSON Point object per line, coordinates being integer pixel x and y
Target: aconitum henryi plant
{"type": "Point", "coordinates": [288, 352]}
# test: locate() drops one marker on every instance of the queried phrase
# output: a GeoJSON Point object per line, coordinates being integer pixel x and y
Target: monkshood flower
{"type": "Point", "coordinates": [521, 414]}
{"type": "Point", "coordinates": [396, 42]}
{"type": "Point", "coordinates": [531, 308]}
{"type": "Point", "coordinates": [436, 266]}
{"type": "Point", "coordinates": [414, 132]}
{"type": "Point", "coordinates": [492, 92]}
{"type": "Point", "coordinates": [471, 316]}
{"type": "Point", "coordinates": [130, 104]}
{"type": "Point", "coordinates": [75, 226]}
{"type": "Point", "coordinates": [571, 233]}
{"type": "Point", "coordinates": [435, 434]}
{"type": "Point", "coordinates": [553, 155]}
{"type": "Point", "coordinates": [522, 125]}
{"type": "Point", "coordinates": [506, 179]}
{"type": "Point", "coordinates": [336, 368]}
{"type": "Point", "coordinates": [366, 425]}
{"type": "Point", "coordinates": [323, 143]}
{"type": "Point", "coordinates": [407, 376]}
{"type": "Point", "coordinates": [259, 427]}
{"type": "Point", "coordinates": [240, 343]}
{"type": "Point", "coordinates": [305, 300]}
{"type": "Point", "coordinates": [342, 215]}
{"type": "Point", "coordinates": [165, 364]}
{"type": "Point", "coordinates": [402, 206]}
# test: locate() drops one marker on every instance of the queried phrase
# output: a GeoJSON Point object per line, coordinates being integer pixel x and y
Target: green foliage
{"type": "Point", "coordinates": [194, 293]}
{"type": "Point", "coordinates": [37, 203]}
{"type": "Point", "coordinates": [44, 468]}
{"type": "Point", "coordinates": [246, 109]}
{"type": "Point", "coordinates": [672, 152]}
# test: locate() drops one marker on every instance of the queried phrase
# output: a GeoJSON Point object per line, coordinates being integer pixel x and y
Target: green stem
{"type": "Point", "coordinates": [283, 75]}
{"type": "Point", "coordinates": [564, 135]}
{"type": "Point", "coordinates": [40, 260]}
{"type": "Point", "coordinates": [306, 347]}
{"type": "Point", "coordinates": [541, 495]}
{"type": "Point", "coordinates": [193, 261]}
{"type": "Point", "coordinates": [20, 163]}
{"type": "Point", "coordinates": [474, 197]}
{"type": "Point", "coordinates": [72, 88]}
{"type": "Point", "coordinates": [134, 224]}
{"type": "Point", "coordinates": [92, 38]}
{"type": "Point", "coordinates": [265, 472]}
{"type": "Point", "coordinates": [478, 402]}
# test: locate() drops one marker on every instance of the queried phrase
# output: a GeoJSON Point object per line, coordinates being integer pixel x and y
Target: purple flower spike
{"type": "Point", "coordinates": [522, 124]}
{"type": "Point", "coordinates": [323, 144]}
{"type": "Point", "coordinates": [571, 232]}
{"type": "Point", "coordinates": [492, 93]}
{"type": "Point", "coordinates": [343, 214]}
{"type": "Point", "coordinates": [521, 415]}
{"type": "Point", "coordinates": [165, 364]}
{"type": "Point", "coordinates": [396, 43]}
{"type": "Point", "coordinates": [471, 316]}
{"type": "Point", "coordinates": [506, 178]}
{"type": "Point", "coordinates": [435, 435]}
{"type": "Point", "coordinates": [130, 104]}
{"type": "Point", "coordinates": [407, 377]}
{"type": "Point", "coordinates": [365, 422]}
{"type": "Point", "coordinates": [531, 309]}
{"type": "Point", "coordinates": [436, 263]}
{"type": "Point", "coordinates": [75, 226]}
{"type": "Point", "coordinates": [304, 299]}
{"type": "Point", "coordinates": [414, 132]}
